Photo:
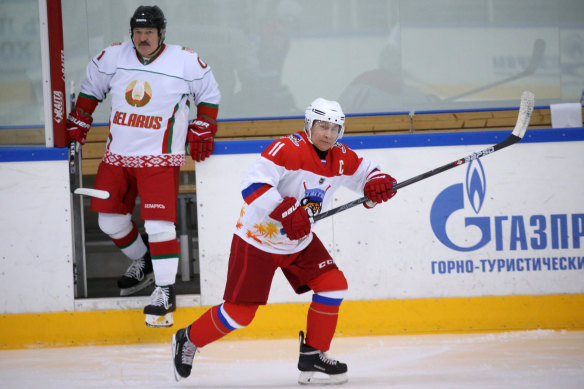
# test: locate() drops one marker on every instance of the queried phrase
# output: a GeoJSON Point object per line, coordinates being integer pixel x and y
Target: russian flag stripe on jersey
{"type": "Point", "coordinates": [254, 191]}
{"type": "Point", "coordinates": [374, 172]}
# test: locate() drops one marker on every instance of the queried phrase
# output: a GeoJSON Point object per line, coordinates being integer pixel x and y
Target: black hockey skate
{"type": "Point", "coordinates": [318, 369]}
{"type": "Point", "coordinates": [138, 276]}
{"type": "Point", "coordinates": [183, 353]}
{"type": "Point", "coordinates": [162, 305]}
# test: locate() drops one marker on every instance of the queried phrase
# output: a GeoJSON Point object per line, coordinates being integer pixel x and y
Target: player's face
{"type": "Point", "coordinates": [324, 134]}
{"type": "Point", "coordinates": [146, 40]}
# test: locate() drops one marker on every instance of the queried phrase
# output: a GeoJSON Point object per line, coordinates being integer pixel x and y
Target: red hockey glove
{"type": "Point", "coordinates": [200, 137]}
{"type": "Point", "coordinates": [78, 125]}
{"type": "Point", "coordinates": [379, 189]}
{"type": "Point", "coordinates": [293, 217]}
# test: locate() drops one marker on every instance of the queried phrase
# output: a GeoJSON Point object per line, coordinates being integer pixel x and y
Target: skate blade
{"type": "Point", "coordinates": [318, 378]}
{"type": "Point", "coordinates": [160, 321]}
{"type": "Point", "coordinates": [147, 281]}
{"type": "Point", "coordinates": [177, 377]}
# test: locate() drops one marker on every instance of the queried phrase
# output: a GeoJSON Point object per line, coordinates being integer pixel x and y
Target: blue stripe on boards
{"type": "Point", "coordinates": [461, 138]}
{"type": "Point", "coordinates": [21, 154]}
{"type": "Point", "coordinates": [25, 154]}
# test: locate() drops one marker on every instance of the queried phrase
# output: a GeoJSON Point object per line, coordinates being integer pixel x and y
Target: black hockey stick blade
{"type": "Point", "coordinates": [523, 118]}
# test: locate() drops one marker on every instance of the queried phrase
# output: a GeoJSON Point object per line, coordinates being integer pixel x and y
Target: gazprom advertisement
{"type": "Point", "coordinates": [514, 234]}
{"type": "Point", "coordinates": [509, 223]}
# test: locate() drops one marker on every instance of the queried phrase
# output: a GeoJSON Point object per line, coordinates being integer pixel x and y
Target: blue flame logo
{"type": "Point", "coordinates": [476, 185]}
{"type": "Point", "coordinates": [451, 200]}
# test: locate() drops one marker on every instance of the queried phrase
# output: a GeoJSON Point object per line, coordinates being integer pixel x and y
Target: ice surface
{"type": "Point", "coordinates": [525, 359]}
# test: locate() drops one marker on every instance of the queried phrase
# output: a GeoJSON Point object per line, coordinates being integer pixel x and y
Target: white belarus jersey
{"type": "Point", "coordinates": [150, 107]}
{"type": "Point", "coordinates": [291, 167]}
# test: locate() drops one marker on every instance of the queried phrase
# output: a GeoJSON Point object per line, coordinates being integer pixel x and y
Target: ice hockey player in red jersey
{"type": "Point", "coordinates": [150, 84]}
{"type": "Point", "coordinates": [293, 179]}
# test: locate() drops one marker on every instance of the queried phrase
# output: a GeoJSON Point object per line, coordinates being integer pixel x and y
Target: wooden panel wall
{"type": "Point", "coordinates": [355, 125]}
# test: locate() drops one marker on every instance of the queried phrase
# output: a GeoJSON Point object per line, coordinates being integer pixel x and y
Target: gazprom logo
{"type": "Point", "coordinates": [452, 200]}
{"type": "Point", "coordinates": [455, 218]}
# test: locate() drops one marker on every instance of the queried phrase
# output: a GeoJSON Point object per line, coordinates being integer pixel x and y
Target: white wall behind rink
{"type": "Point", "coordinates": [533, 190]}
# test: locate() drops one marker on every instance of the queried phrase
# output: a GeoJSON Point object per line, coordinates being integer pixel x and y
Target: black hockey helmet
{"type": "Point", "coordinates": [148, 16]}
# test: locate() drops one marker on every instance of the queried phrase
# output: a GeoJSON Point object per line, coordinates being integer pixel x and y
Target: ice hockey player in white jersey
{"type": "Point", "coordinates": [294, 178]}
{"type": "Point", "coordinates": [150, 84]}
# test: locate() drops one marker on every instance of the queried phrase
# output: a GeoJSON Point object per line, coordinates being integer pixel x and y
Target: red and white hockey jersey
{"type": "Point", "coordinates": [290, 166]}
{"type": "Point", "coordinates": [149, 101]}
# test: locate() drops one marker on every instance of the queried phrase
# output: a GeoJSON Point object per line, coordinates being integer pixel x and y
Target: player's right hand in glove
{"type": "Point", "coordinates": [378, 189]}
{"type": "Point", "coordinates": [293, 217]}
{"type": "Point", "coordinates": [201, 138]}
{"type": "Point", "coordinates": [78, 125]}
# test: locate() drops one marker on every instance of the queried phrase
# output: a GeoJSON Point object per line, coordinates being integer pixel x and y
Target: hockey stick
{"type": "Point", "coordinates": [523, 118]}
{"type": "Point", "coordinates": [74, 179]}
{"type": "Point", "coordinates": [534, 62]}
{"type": "Point", "coordinates": [74, 164]}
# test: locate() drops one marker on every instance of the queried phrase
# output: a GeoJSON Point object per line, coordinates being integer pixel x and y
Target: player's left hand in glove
{"type": "Point", "coordinates": [293, 217]}
{"type": "Point", "coordinates": [78, 125]}
{"type": "Point", "coordinates": [201, 137]}
{"type": "Point", "coordinates": [378, 189]}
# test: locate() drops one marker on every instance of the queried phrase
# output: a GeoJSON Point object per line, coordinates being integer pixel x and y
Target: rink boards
{"type": "Point", "coordinates": [493, 246]}
{"type": "Point", "coordinates": [510, 223]}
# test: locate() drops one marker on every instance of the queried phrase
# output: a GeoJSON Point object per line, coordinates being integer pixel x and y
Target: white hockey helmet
{"type": "Point", "coordinates": [325, 110]}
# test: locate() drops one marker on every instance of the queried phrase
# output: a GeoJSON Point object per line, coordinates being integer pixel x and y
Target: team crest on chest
{"type": "Point", "coordinates": [138, 93]}
{"type": "Point", "coordinates": [312, 200]}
